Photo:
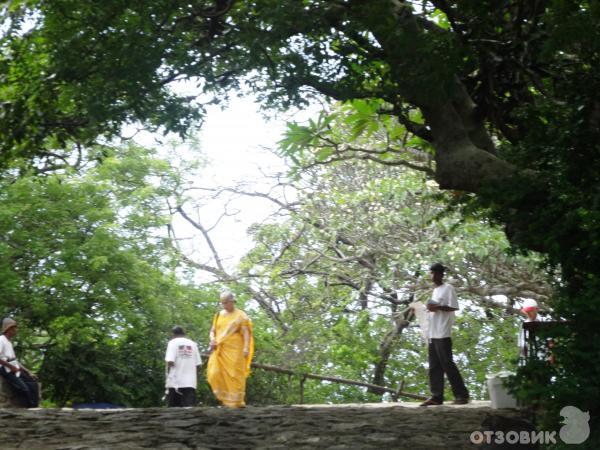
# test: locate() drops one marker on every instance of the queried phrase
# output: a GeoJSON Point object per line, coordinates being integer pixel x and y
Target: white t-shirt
{"type": "Point", "coordinates": [440, 322]}
{"type": "Point", "coordinates": [7, 352]}
{"type": "Point", "coordinates": [184, 353]}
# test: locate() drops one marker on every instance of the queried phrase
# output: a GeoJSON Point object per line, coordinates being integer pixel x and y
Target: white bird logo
{"type": "Point", "coordinates": [576, 428]}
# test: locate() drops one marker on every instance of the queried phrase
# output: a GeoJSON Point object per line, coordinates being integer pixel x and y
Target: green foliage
{"type": "Point", "coordinates": [559, 143]}
{"type": "Point", "coordinates": [73, 71]}
{"type": "Point", "coordinates": [85, 270]}
{"type": "Point", "coordinates": [523, 75]}
{"type": "Point", "coordinates": [559, 211]}
{"type": "Point", "coordinates": [56, 86]}
{"type": "Point", "coordinates": [343, 265]}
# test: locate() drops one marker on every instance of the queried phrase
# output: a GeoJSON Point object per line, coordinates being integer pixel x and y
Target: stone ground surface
{"type": "Point", "coordinates": [336, 427]}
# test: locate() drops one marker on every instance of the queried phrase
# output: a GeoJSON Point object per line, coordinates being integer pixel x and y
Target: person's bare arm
{"type": "Point", "coordinates": [246, 334]}
{"type": "Point", "coordinates": [11, 367]}
{"type": "Point", "coordinates": [213, 340]}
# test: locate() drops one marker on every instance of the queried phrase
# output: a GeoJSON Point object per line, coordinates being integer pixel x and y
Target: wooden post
{"type": "Point", "coordinates": [302, 380]}
{"type": "Point", "coordinates": [396, 394]}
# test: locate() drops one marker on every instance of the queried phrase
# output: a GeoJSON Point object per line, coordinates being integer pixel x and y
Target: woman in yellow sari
{"type": "Point", "coordinates": [232, 347]}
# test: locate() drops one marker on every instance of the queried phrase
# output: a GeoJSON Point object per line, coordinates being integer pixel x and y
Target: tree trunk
{"type": "Point", "coordinates": [401, 321]}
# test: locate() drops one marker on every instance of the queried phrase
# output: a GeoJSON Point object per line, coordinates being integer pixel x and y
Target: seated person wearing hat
{"type": "Point", "coordinates": [23, 382]}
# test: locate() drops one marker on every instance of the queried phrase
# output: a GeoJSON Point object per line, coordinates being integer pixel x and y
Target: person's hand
{"type": "Point", "coordinates": [213, 344]}
{"type": "Point", "coordinates": [14, 369]}
{"type": "Point", "coordinates": [246, 353]}
{"type": "Point", "coordinates": [431, 307]}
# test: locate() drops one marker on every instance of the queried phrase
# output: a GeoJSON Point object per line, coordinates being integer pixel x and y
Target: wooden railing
{"type": "Point", "coordinates": [395, 393]}
{"type": "Point", "coordinates": [539, 338]}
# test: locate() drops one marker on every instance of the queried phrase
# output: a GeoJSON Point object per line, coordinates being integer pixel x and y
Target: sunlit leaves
{"type": "Point", "coordinates": [85, 270]}
{"type": "Point", "coordinates": [362, 232]}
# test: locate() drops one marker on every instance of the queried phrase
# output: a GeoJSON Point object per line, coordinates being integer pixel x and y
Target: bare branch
{"type": "Point", "coordinates": [204, 232]}
{"type": "Point", "coordinates": [288, 245]}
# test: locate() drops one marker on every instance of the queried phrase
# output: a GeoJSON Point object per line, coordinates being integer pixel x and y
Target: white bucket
{"type": "Point", "coordinates": [499, 395]}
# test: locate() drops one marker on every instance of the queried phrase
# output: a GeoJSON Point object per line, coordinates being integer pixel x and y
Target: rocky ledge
{"type": "Point", "coordinates": [365, 426]}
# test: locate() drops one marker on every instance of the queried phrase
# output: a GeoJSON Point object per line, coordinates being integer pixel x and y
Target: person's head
{"type": "Point", "coordinates": [227, 301]}
{"type": "Point", "coordinates": [437, 273]}
{"type": "Point", "coordinates": [178, 331]}
{"type": "Point", "coordinates": [9, 327]}
{"type": "Point", "coordinates": [530, 309]}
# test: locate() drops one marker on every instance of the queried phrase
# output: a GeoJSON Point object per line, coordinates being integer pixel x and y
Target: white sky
{"type": "Point", "coordinates": [238, 143]}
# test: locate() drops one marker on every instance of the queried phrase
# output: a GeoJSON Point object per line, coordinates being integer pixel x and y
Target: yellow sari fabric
{"type": "Point", "coordinates": [227, 368]}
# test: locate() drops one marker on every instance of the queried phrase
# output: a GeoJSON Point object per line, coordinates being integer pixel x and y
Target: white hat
{"type": "Point", "coordinates": [8, 323]}
{"type": "Point", "coordinates": [529, 305]}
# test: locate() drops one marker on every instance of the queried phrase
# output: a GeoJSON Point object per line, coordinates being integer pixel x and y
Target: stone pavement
{"type": "Point", "coordinates": [336, 427]}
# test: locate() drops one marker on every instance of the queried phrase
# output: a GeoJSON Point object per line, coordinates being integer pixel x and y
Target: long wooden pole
{"type": "Point", "coordinates": [304, 376]}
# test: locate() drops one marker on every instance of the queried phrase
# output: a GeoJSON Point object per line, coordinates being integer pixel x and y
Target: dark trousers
{"type": "Point", "coordinates": [24, 386]}
{"type": "Point", "coordinates": [440, 363]}
{"type": "Point", "coordinates": [181, 397]}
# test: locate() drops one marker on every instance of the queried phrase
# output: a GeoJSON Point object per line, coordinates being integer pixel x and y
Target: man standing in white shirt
{"type": "Point", "coordinates": [441, 309]}
{"type": "Point", "coordinates": [16, 374]}
{"type": "Point", "coordinates": [182, 360]}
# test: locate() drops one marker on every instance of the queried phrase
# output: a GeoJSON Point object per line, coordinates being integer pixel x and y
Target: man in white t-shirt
{"type": "Point", "coordinates": [182, 360]}
{"type": "Point", "coordinates": [23, 382]}
{"type": "Point", "coordinates": [441, 309]}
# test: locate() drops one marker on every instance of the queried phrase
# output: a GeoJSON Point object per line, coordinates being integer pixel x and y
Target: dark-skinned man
{"type": "Point", "coordinates": [182, 358]}
{"type": "Point", "coordinates": [441, 309]}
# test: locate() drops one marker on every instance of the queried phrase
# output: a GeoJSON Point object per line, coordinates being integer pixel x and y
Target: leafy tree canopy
{"type": "Point", "coordinates": [504, 92]}
{"type": "Point", "coordinates": [479, 81]}
{"type": "Point", "coordinates": [87, 271]}
{"type": "Point", "coordinates": [353, 253]}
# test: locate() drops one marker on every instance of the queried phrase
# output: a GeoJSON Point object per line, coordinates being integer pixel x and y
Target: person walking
{"type": "Point", "coordinates": [232, 346]}
{"type": "Point", "coordinates": [182, 358]}
{"type": "Point", "coordinates": [441, 310]}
